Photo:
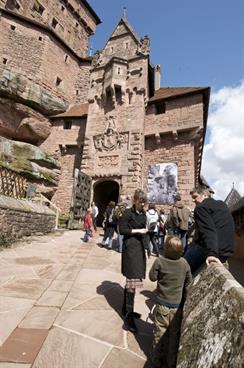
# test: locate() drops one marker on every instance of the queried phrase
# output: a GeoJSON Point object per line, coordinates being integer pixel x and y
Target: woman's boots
{"type": "Point", "coordinates": [128, 310]}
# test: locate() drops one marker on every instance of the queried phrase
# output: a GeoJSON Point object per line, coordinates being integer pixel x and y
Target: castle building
{"type": "Point", "coordinates": [118, 128]}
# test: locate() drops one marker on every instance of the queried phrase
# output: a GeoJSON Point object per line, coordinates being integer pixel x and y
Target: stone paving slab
{"type": "Point", "coordinates": [40, 317]}
{"type": "Point", "coordinates": [14, 365]}
{"type": "Point", "coordinates": [25, 288]}
{"type": "Point", "coordinates": [61, 285]}
{"type": "Point", "coordinates": [103, 325]}
{"type": "Point", "coordinates": [12, 311]}
{"type": "Point", "coordinates": [23, 345]}
{"type": "Point", "coordinates": [48, 271]}
{"type": "Point", "coordinates": [66, 349]}
{"type": "Point", "coordinates": [76, 297]}
{"type": "Point", "coordinates": [52, 298]}
{"type": "Point", "coordinates": [123, 358]}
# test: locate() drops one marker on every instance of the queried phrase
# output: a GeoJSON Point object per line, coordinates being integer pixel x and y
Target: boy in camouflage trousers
{"type": "Point", "coordinates": [173, 275]}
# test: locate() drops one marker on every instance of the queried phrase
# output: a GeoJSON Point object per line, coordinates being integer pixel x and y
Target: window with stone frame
{"type": "Point", "coordinates": [12, 5]}
{"type": "Point", "coordinates": [118, 94]}
{"type": "Point", "coordinates": [67, 124]}
{"type": "Point", "coordinates": [160, 108]}
{"type": "Point", "coordinates": [54, 23]}
{"type": "Point", "coordinates": [61, 27]}
{"type": "Point", "coordinates": [58, 81]}
{"type": "Point", "coordinates": [38, 7]}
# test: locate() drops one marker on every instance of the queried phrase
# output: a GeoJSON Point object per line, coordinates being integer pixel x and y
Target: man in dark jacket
{"type": "Point", "coordinates": [214, 228]}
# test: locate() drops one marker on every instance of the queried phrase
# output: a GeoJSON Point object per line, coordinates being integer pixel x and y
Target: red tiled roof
{"type": "Point", "coordinates": [75, 111]}
{"type": "Point", "coordinates": [170, 92]}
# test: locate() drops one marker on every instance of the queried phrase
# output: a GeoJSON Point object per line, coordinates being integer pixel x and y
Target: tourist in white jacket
{"type": "Point", "coordinates": [153, 226]}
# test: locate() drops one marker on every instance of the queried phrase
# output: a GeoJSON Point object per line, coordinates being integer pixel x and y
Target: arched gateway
{"type": "Point", "coordinates": [104, 192]}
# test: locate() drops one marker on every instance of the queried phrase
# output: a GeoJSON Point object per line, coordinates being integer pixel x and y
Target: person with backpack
{"type": "Point", "coordinates": [179, 216]}
{"type": "Point", "coordinates": [162, 226]}
{"type": "Point", "coordinates": [110, 225]}
{"type": "Point", "coordinates": [118, 212]}
{"type": "Point", "coordinates": [153, 226]}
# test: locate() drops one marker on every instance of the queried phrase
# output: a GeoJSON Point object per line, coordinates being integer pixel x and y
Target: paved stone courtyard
{"type": "Point", "coordinates": [60, 303]}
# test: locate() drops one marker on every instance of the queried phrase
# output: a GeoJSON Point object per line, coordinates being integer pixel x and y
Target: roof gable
{"type": "Point", "coordinates": [123, 28]}
{"type": "Point", "coordinates": [232, 198]}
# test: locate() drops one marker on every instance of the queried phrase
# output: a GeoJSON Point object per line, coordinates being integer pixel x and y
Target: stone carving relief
{"type": "Point", "coordinates": [144, 46]}
{"type": "Point", "coordinates": [96, 61]}
{"type": "Point", "coordinates": [107, 161]}
{"type": "Point", "coordinates": [137, 72]}
{"type": "Point", "coordinates": [111, 139]}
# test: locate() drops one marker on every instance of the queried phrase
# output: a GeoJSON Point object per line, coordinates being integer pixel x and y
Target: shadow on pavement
{"type": "Point", "coordinates": [114, 295]}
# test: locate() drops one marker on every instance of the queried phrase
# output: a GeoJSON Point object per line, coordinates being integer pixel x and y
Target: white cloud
{"type": "Point", "coordinates": [223, 155]}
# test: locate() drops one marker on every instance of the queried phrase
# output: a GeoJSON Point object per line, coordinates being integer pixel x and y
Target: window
{"type": "Point", "coordinates": [62, 8]}
{"type": "Point", "coordinates": [67, 124]}
{"type": "Point", "coordinates": [119, 70]}
{"type": "Point", "coordinates": [66, 58]}
{"type": "Point", "coordinates": [160, 108]}
{"type": "Point", "coordinates": [5, 61]}
{"type": "Point", "coordinates": [12, 27]}
{"type": "Point", "coordinates": [76, 24]}
{"type": "Point", "coordinates": [12, 5]}
{"type": "Point", "coordinates": [112, 49]}
{"type": "Point", "coordinates": [118, 94]}
{"type": "Point", "coordinates": [58, 81]}
{"type": "Point", "coordinates": [108, 96]}
{"type": "Point", "coordinates": [127, 45]}
{"type": "Point", "coordinates": [38, 7]}
{"type": "Point", "coordinates": [77, 92]}
{"type": "Point", "coordinates": [40, 38]}
{"type": "Point", "coordinates": [54, 23]}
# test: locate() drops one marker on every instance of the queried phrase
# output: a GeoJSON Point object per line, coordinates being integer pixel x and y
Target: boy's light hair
{"type": "Point", "coordinates": [173, 248]}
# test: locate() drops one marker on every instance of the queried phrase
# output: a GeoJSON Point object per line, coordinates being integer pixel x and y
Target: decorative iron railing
{"type": "Point", "coordinates": [12, 184]}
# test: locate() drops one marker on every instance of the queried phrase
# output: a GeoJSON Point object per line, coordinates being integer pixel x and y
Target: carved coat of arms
{"type": "Point", "coordinates": [111, 139]}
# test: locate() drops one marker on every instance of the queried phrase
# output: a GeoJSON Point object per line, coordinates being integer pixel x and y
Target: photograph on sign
{"type": "Point", "coordinates": [162, 183]}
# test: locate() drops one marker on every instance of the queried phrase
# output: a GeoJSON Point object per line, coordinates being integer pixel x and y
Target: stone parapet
{"type": "Point", "coordinates": [213, 323]}
{"type": "Point", "coordinates": [20, 218]}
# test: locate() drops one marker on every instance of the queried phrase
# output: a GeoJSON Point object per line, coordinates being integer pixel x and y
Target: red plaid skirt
{"type": "Point", "coordinates": [133, 283]}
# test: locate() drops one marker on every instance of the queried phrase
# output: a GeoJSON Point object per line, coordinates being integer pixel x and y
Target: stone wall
{"type": "Point", "coordinates": [180, 152]}
{"type": "Point", "coordinates": [60, 135]}
{"type": "Point", "coordinates": [180, 113]}
{"type": "Point", "coordinates": [212, 333]}
{"type": "Point", "coordinates": [67, 146]}
{"type": "Point", "coordinates": [43, 59]}
{"type": "Point", "coordinates": [20, 218]}
{"type": "Point", "coordinates": [70, 20]}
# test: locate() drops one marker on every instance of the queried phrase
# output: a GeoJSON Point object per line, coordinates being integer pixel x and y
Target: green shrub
{"type": "Point", "coordinates": [63, 220]}
{"type": "Point", "coordinates": [6, 240]}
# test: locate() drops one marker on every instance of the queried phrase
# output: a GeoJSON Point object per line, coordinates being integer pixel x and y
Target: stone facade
{"type": "Point", "coordinates": [212, 327]}
{"type": "Point", "coordinates": [22, 218]}
{"type": "Point", "coordinates": [127, 126]}
{"type": "Point", "coordinates": [45, 67]}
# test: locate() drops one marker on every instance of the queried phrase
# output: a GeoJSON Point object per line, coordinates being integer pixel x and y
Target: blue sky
{"type": "Point", "coordinates": [197, 43]}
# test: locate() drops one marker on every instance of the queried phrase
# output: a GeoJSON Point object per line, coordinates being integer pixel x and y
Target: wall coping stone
{"type": "Point", "coordinates": [212, 333]}
{"type": "Point", "coordinates": [24, 205]}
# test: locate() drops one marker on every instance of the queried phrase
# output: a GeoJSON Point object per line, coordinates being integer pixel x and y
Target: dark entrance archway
{"type": "Point", "coordinates": [104, 192]}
